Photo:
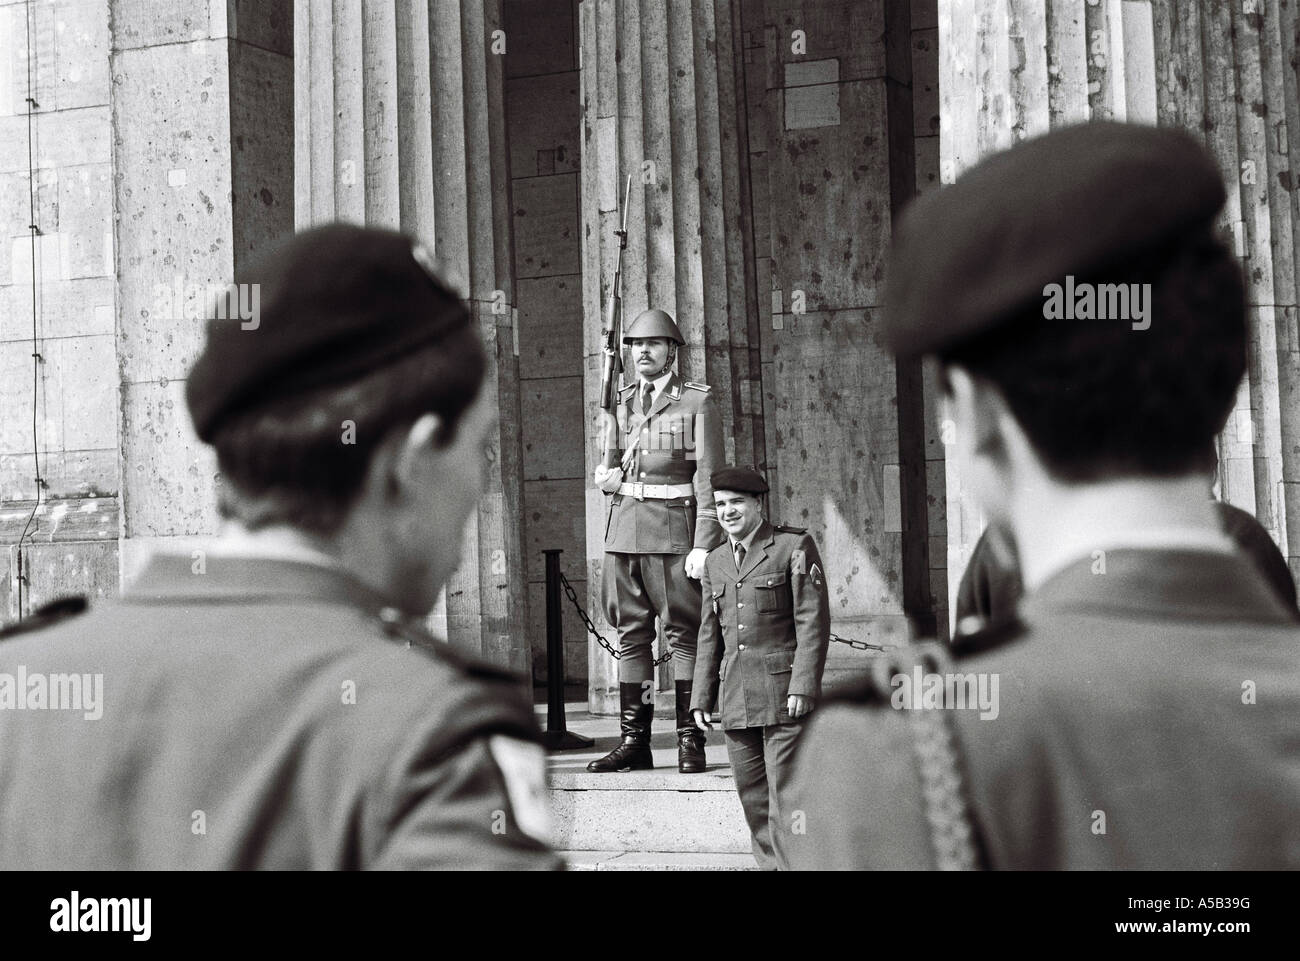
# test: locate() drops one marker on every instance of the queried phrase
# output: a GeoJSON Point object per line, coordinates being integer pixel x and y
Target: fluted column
{"type": "Point", "coordinates": [399, 123]}
{"type": "Point", "coordinates": [1225, 72]}
{"type": "Point", "coordinates": [202, 179]}
{"type": "Point", "coordinates": [659, 98]}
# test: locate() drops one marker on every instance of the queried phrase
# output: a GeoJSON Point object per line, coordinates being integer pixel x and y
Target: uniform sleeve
{"type": "Point", "coordinates": [475, 800]}
{"type": "Point", "coordinates": [709, 456]}
{"type": "Point", "coordinates": [856, 795]}
{"type": "Point", "coordinates": [610, 437]}
{"type": "Point", "coordinates": [708, 653]}
{"type": "Point", "coordinates": [812, 618]}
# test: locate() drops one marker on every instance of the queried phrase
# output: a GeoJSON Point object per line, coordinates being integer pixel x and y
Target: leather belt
{"type": "Point", "coordinates": [663, 492]}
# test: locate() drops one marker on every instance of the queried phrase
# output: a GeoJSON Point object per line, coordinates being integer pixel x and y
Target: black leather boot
{"type": "Point", "coordinates": [690, 739]}
{"type": "Point", "coordinates": [634, 719]}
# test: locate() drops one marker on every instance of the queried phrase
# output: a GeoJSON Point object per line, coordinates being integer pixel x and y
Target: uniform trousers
{"type": "Point", "coordinates": [762, 762]}
{"type": "Point", "coordinates": [639, 587]}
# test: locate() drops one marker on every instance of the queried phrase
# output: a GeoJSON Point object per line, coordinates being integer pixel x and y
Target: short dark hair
{"type": "Point", "coordinates": [1098, 399]}
{"type": "Point", "coordinates": [287, 462]}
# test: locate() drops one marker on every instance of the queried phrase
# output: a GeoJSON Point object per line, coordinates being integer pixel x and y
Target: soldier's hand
{"type": "Point", "coordinates": [797, 705]}
{"type": "Point", "coordinates": [701, 719]}
{"type": "Point", "coordinates": [607, 478]}
{"type": "Point", "coordinates": [695, 562]}
{"type": "Point", "coordinates": [629, 455]}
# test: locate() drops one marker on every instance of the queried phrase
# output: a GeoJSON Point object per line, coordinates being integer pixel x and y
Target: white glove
{"type": "Point", "coordinates": [608, 479]}
{"type": "Point", "coordinates": [695, 563]}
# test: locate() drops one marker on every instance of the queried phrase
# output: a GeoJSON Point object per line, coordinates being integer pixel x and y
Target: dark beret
{"type": "Point", "coordinates": [333, 304]}
{"type": "Point", "coordinates": [968, 256]}
{"type": "Point", "coordinates": [746, 480]}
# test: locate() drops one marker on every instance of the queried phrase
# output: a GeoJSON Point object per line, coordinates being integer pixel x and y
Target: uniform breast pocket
{"type": "Point", "coordinates": [772, 592]}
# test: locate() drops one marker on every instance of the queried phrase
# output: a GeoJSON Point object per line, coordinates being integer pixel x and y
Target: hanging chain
{"type": "Point", "coordinates": [591, 628]}
{"type": "Point", "coordinates": [858, 645]}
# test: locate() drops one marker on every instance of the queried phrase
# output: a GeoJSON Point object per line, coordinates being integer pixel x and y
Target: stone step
{"type": "Point", "coordinates": [659, 811]}
{"type": "Point", "coordinates": [648, 811]}
{"type": "Point", "coordinates": [656, 861]}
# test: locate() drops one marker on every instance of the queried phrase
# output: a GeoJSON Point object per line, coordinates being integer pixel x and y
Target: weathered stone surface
{"type": "Point", "coordinates": [540, 37]}
{"type": "Point", "coordinates": [63, 569]}
{"type": "Point", "coordinates": [173, 201]}
{"type": "Point", "coordinates": [62, 519]}
{"type": "Point", "coordinates": [550, 328]}
{"type": "Point", "coordinates": [68, 309]}
{"type": "Point", "coordinates": [658, 817]}
{"type": "Point", "coordinates": [169, 482]}
{"type": "Point", "coordinates": [543, 124]}
{"type": "Point", "coordinates": [546, 225]}
{"type": "Point", "coordinates": [552, 447]}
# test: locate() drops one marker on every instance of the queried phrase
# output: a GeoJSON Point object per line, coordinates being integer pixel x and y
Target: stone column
{"type": "Point", "coordinates": [399, 122]}
{"type": "Point", "coordinates": [1226, 73]}
{"type": "Point", "coordinates": [201, 117]}
{"type": "Point", "coordinates": [659, 96]}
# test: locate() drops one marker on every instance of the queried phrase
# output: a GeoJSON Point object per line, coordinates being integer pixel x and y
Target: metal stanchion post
{"type": "Point", "coordinates": [556, 737]}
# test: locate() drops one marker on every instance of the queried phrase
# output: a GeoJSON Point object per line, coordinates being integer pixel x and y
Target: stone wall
{"type": "Point", "coordinates": [544, 133]}
{"type": "Point", "coordinates": [58, 279]}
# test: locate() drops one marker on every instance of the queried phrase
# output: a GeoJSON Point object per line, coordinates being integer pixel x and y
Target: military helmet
{"type": "Point", "coordinates": [654, 323]}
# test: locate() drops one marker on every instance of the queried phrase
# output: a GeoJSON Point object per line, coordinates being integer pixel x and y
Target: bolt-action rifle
{"type": "Point", "coordinates": [612, 375]}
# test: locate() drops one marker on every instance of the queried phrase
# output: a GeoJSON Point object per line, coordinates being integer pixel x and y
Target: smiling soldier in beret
{"type": "Point", "coordinates": [272, 700]}
{"type": "Point", "coordinates": [764, 630]}
{"type": "Point", "coordinates": [1143, 706]}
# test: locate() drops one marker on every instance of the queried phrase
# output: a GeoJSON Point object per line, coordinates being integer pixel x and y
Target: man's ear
{"type": "Point", "coordinates": [980, 409]}
{"type": "Point", "coordinates": [412, 448]}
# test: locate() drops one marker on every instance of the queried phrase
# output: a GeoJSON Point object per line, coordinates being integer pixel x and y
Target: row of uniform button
{"type": "Point", "coordinates": [741, 627]}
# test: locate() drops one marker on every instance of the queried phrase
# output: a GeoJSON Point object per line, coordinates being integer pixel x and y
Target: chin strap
{"type": "Point", "coordinates": [672, 356]}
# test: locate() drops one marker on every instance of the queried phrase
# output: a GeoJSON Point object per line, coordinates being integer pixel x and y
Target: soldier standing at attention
{"type": "Point", "coordinates": [1145, 709]}
{"type": "Point", "coordinates": [763, 636]}
{"type": "Point", "coordinates": [271, 700]}
{"type": "Point", "coordinates": [660, 526]}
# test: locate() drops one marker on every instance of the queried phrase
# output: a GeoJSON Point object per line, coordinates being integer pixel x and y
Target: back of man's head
{"type": "Point", "coordinates": [1015, 272]}
{"type": "Point", "coordinates": [355, 337]}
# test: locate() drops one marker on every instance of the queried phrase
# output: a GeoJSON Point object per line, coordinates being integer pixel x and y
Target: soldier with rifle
{"type": "Point", "coordinates": [662, 441]}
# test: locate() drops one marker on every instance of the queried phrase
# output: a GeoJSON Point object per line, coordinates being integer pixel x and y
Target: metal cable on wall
{"type": "Point", "coordinates": [34, 229]}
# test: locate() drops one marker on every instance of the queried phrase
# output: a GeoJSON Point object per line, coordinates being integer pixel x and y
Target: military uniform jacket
{"type": "Point", "coordinates": [1147, 720]}
{"type": "Point", "coordinates": [679, 443]}
{"type": "Point", "coordinates": [764, 629]}
{"type": "Point", "coordinates": [258, 713]}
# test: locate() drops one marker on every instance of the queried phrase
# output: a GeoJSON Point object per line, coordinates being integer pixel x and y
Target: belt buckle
{"type": "Point", "coordinates": [638, 490]}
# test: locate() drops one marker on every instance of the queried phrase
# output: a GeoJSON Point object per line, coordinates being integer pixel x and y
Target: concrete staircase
{"type": "Point", "coordinates": [645, 820]}
{"type": "Point", "coordinates": [660, 819]}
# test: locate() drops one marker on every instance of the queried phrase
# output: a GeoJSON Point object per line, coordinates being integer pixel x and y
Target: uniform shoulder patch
{"type": "Point", "coordinates": [523, 768]}
{"type": "Point", "coordinates": [694, 386]}
{"type": "Point", "coordinates": [47, 615]}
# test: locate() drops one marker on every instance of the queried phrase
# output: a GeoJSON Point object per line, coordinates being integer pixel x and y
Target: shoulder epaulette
{"type": "Point", "coordinates": [403, 627]}
{"type": "Point", "coordinates": [631, 386]}
{"type": "Point", "coordinates": [47, 615]}
{"type": "Point", "coordinates": [791, 530]}
{"type": "Point", "coordinates": [694, 386]}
